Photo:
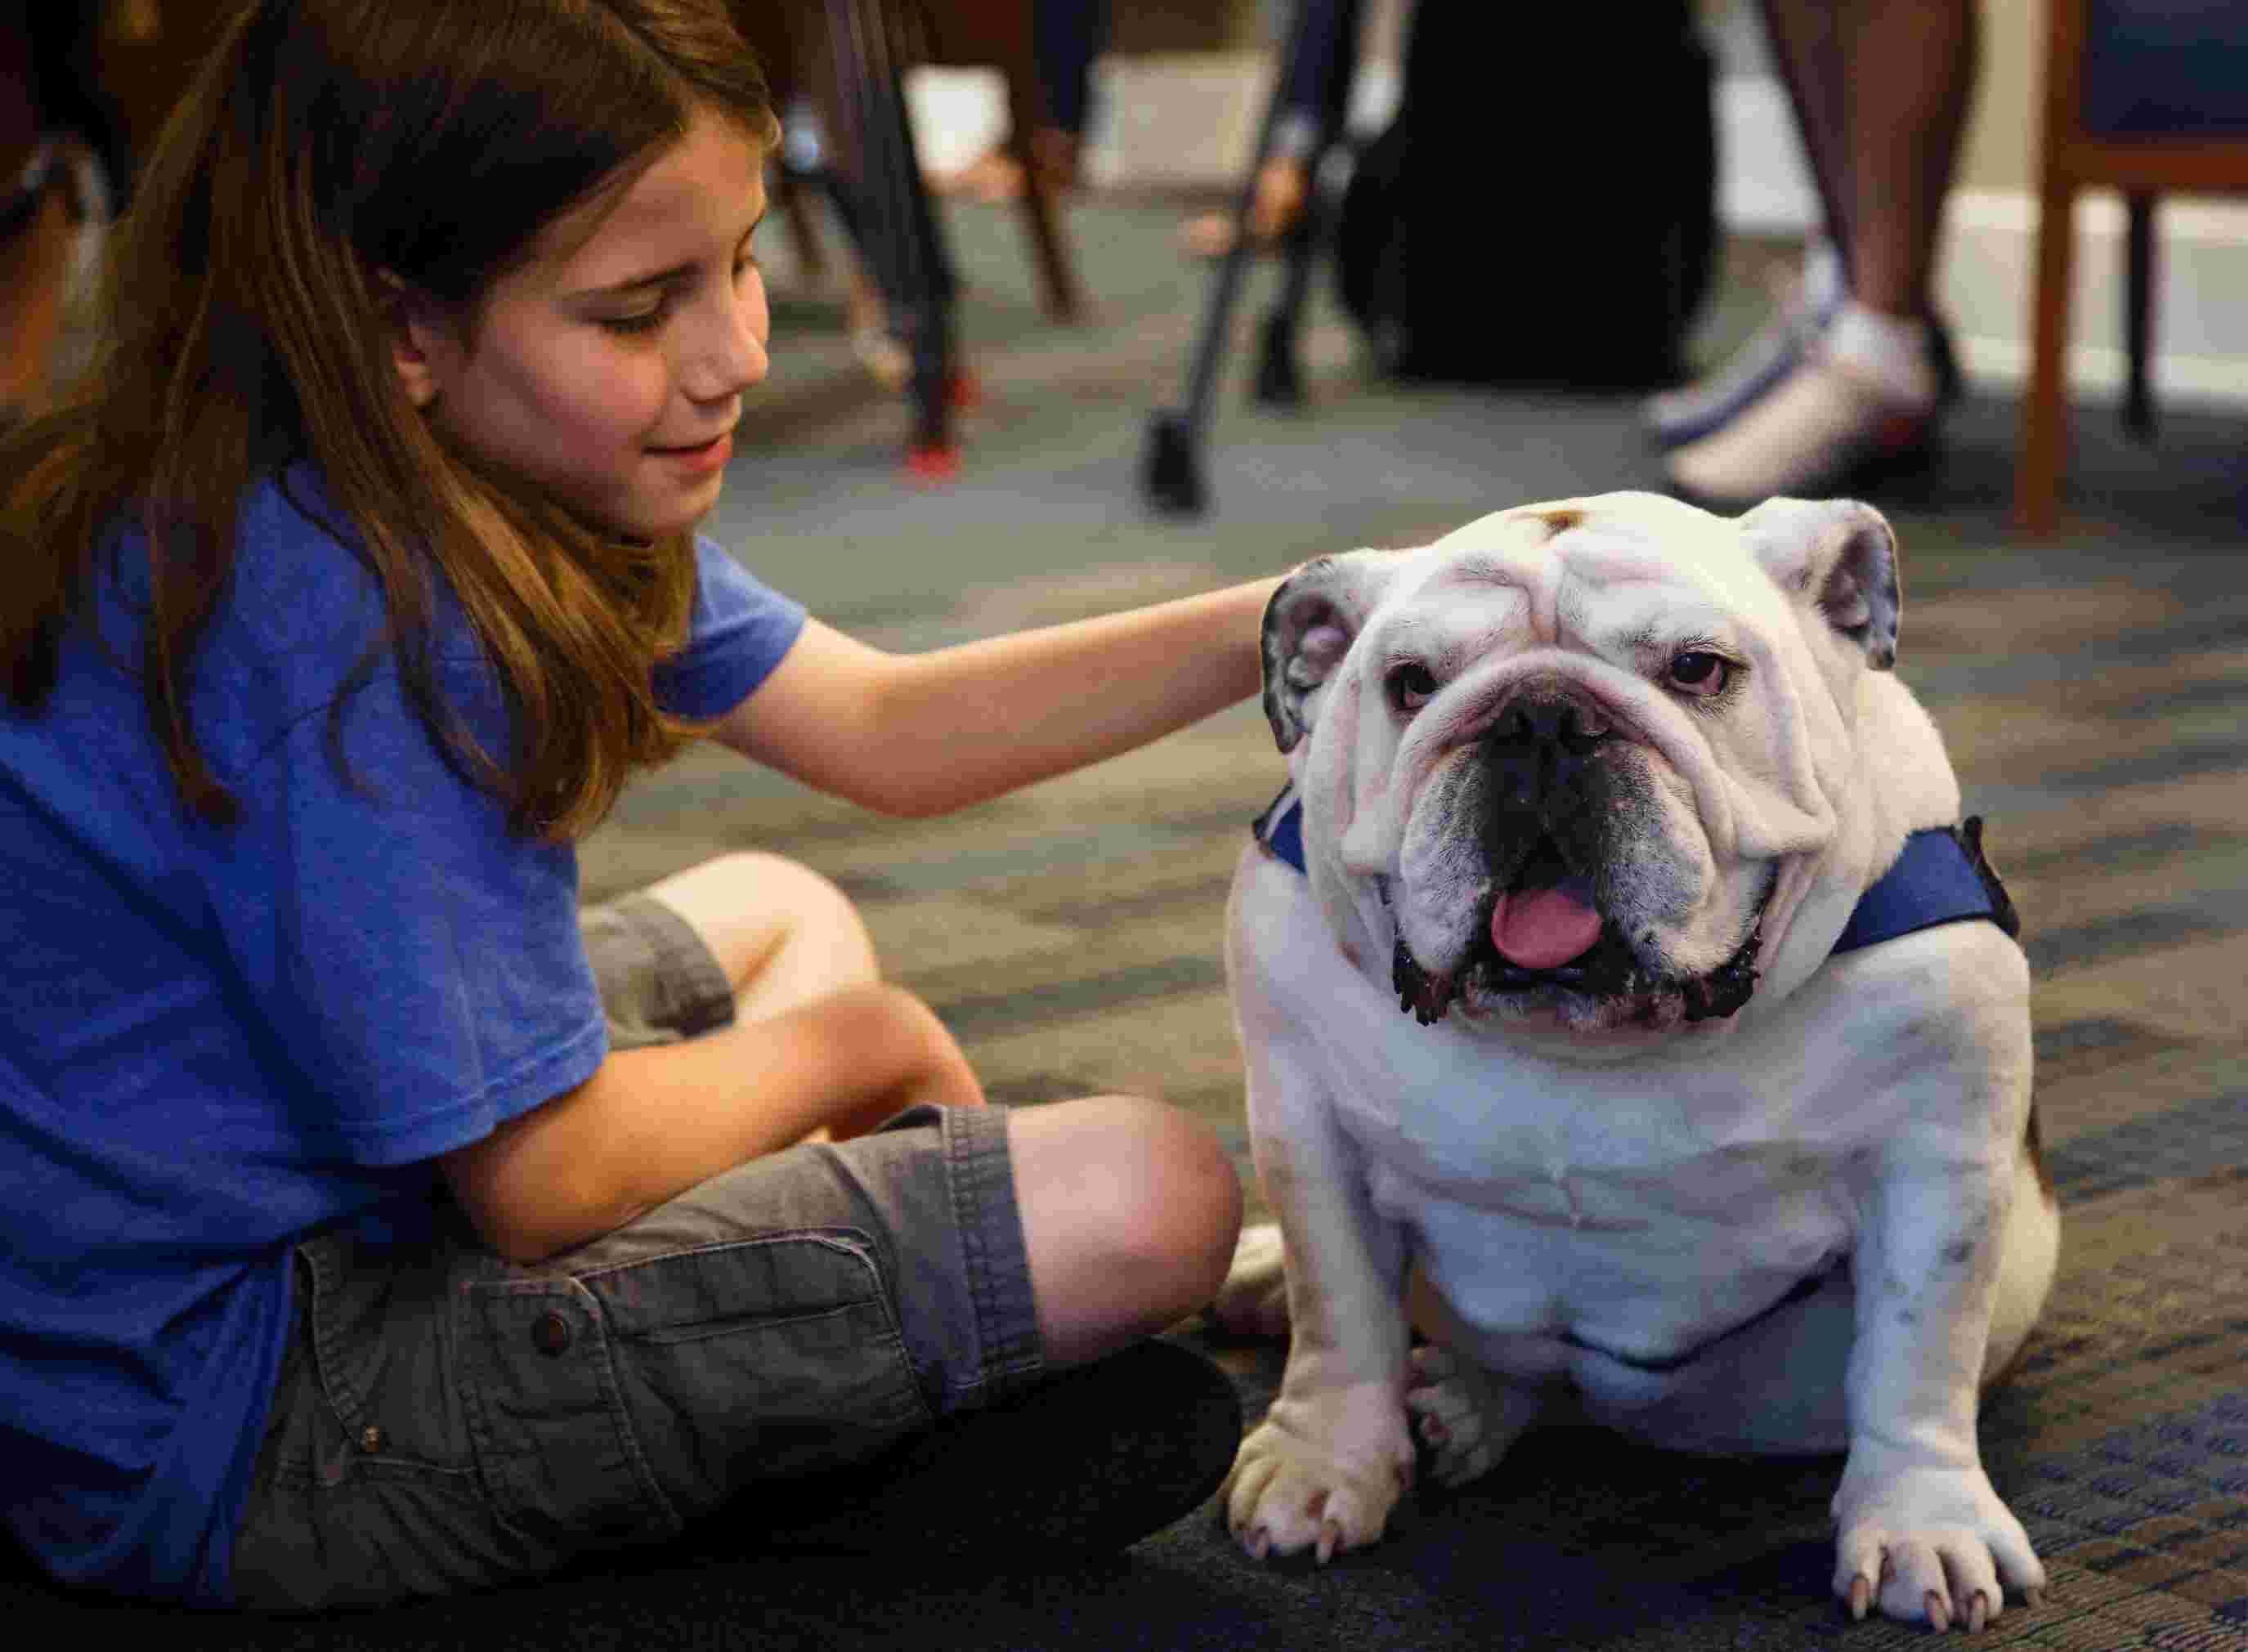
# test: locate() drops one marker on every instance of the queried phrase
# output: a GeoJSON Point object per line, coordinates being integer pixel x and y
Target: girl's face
{"type": "Point", "coordinates": [609, 369]}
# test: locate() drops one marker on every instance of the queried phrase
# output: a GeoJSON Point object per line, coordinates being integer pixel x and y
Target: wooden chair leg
{"type": "Point", "coordinates": [1027, 107]}
{"type": "Point", "coordinates": [2139, 315]}
{"type": "Point", "coordinates": [2045, 401]}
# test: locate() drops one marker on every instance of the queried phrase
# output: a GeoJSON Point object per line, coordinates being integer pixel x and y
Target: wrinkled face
{"type": "Point", "coordinates": [1553, 764]}
{"type": "Point", "coordinates": [609, 369]}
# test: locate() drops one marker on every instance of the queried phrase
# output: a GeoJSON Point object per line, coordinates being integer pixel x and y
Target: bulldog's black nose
{"type": "Point", "coordinates": [1540, 744]}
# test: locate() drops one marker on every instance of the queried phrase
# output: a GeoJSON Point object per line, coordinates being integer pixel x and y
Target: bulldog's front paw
{"type": "Point", "coordinates": [1932, 1544]}
{"type": "Point", "coordinates": [1322, 1473]}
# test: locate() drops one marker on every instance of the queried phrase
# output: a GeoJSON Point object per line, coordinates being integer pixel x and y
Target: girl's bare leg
{"type": "Point", "coordinates": [787, 936]}
{"type": "Point", "coordinates": [783, 934]}
{"type": "Point", "coordinates": [1130, 1207]}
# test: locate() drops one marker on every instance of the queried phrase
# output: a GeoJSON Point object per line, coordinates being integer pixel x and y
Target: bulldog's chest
{"type": "Point", "coordinates": [1639, 1209]}
{"type": "Point", "coordinates": [1617, 1167]}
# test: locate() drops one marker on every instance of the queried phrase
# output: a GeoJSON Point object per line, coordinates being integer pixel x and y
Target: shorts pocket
{"type": "Point", "coordinates": [375, 1331]}
{"type": "Point", "coordinates": [746, 1360]}
{"type": "Point", "coordinates": [552, 1435]}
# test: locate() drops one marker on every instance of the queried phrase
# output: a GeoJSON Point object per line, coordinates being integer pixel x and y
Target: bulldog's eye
{"type": "Point", "coordinates": [1700, 674]}
{"type": "Point", "coordinates": [1412, 687]}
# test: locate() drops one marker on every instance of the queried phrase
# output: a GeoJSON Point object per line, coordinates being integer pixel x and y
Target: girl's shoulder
{"type": "Point", "coordinates": [302, 576]}
{"type": "Point", "coordinates": [300, 621]}
{"type": "Point", "coordinates": [298, 580]}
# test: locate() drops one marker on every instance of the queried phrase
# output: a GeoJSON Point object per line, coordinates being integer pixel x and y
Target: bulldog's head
{"type": "Point", "coordinates": [1557, 766]}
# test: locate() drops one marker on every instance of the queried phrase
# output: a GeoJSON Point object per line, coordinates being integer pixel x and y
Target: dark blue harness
{"type": "Point", "coordinates": [1941, 878]}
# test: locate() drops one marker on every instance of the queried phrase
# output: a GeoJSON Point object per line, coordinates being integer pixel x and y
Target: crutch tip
{"type": "Point", "coordinates": [1170, 476]}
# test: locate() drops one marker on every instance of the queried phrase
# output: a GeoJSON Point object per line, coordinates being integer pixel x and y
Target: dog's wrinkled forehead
{"type": "Point", "coordinates": [1545, 564]}
{"type": "Point", "coordinates": [1622, 575]}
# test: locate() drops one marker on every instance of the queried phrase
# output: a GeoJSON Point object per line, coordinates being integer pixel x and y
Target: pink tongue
{"type": "Point", "coordinates": [1539, 928]}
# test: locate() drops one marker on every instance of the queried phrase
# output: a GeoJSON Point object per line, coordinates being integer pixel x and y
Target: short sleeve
{"type": "Point", "coordinates": [741, 630]}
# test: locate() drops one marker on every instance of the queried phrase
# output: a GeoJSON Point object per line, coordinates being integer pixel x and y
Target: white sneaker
{"type": "Point", "coordinates": [1859, 407]}
{"type": "Point", "coordinates": [1801, 310]}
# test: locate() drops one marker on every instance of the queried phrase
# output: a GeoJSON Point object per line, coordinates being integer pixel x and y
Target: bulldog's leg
{"type": "Point", "coordinates": [1331, 1457]}
{"type": "Point", "coordinates": [1464, 1408]}
{"type": "Point", "coordinates": [1952, 1264]}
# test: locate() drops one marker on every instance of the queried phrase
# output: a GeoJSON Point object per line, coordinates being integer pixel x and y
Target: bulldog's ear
{"type": "Point", "coordinates": [1838, 554]}
{"type": "Point", "coordinates": [1309, 624]}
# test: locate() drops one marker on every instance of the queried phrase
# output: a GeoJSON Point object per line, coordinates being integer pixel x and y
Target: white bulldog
{"type": "Point", "coordinates": [1592, 789]}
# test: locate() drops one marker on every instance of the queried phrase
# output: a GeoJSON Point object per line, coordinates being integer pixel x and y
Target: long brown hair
{"type": "Point", "coordinates": [244, 327]}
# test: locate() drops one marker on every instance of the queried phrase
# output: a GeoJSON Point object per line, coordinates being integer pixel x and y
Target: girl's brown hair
{"type": "Point", "coordinates": [324, 144]}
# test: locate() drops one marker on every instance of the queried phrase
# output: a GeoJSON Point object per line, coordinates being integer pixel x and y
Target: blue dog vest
{"type": "Point", "coordinates": [1940, 878]}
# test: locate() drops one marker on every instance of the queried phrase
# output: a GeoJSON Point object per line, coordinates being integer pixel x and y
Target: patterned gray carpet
{"type": "Point", "coordinates": [2092, 691]}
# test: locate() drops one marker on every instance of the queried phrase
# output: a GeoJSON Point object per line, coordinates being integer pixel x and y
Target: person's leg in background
{"type": "Point", "coordinates": [1805, 50]}
{"type": "Point", "coordinates": [1882, 90]}
{"type": "Point", "coordinates": [1317, 43]}
{"type": "Point", "coordinates": [1914, 70]}
{"type": "Point", "coordinates": [1071, 35]}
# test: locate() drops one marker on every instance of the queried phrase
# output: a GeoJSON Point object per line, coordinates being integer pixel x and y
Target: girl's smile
{"type": "Point", "coordinates": [711, 455]}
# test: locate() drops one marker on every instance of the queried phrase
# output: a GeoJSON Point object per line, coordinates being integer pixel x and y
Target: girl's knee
{"type": "Point", "coordinates": [754, 882]}
{"type": "Point", "coordinates": [1191, 1211]}
{"type": "Point", "coordinates": [1130, 1209]}
{"type": "Point", "coordinates": [765, 915]}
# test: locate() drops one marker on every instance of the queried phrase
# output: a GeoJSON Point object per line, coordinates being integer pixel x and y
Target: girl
{"type": "Point", "coordinates": [372, 1229]}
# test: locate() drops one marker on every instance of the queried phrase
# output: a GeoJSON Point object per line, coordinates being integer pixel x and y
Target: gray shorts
{"type": "Point", "coordinates": [447, 1420]}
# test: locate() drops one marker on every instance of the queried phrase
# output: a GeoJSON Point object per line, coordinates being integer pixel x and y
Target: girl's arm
{"type": "Point", "coordinates": [653, 1122]}
{"type": "Point", "coordinates": [921, 734]}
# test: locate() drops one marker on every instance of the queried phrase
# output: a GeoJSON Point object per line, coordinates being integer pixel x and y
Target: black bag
{"type": "Point", "coordinates": [1543, 209]}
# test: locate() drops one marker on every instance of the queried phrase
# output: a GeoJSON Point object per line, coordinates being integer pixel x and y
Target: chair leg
{"type": "Point", "coordinates": [2139, 316]}
{"type": "Point", "coordinates": [2045, 401]}
{"type": "Point", "coordinates": [1041, 208]}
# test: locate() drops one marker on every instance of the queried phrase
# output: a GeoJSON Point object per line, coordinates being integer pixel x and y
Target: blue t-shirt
{"type": "Point", "coordinates": [213, 1041]}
